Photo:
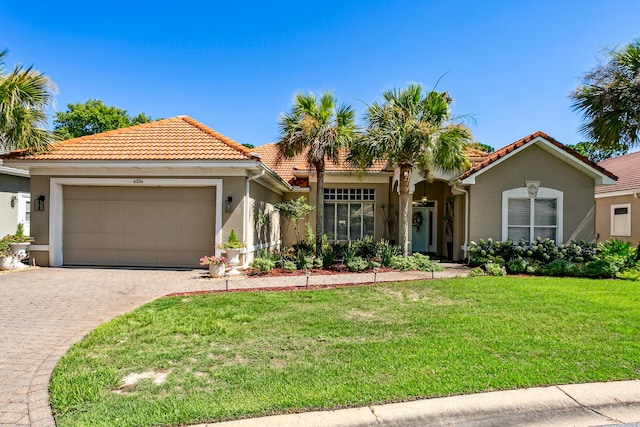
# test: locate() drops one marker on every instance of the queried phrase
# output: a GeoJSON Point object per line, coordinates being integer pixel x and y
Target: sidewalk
{"type": "Point", "coordinates": [596, 404]}
{"type": "Point", "coordinates": [235, 283]}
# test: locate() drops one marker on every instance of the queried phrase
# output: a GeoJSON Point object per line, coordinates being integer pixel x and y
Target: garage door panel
{"type": "Point", "coordinates": [138, 226]}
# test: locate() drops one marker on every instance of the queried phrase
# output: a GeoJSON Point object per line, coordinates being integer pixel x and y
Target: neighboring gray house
{"type": "Point", "coordinates": [15, 202]}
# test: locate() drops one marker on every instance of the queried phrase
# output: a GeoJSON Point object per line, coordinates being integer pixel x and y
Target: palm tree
{"type": "Point", "coordinates": [410, 130]}
{"type": "Point", "coordinates": [24, 95]}
{"type": "Point", "coordinates": [317, 128]}
{"type": "Point", "coordinates": [609, 100]}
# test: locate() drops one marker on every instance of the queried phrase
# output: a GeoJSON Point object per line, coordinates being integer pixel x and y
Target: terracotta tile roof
{"type": "Point", "coordinates": [177, 138]}
{"type": "Point", "coordinates": [498, 154]}
{"type": "Point", "coordinates": [285, 167]}
{"type": "Point", "coordinates": [627, 168]}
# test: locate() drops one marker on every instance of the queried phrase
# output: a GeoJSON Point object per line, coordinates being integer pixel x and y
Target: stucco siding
{"type": "Point", "coordinates": [264, 219]}
{"type": "Point", "coordinates": [603, 217]}
{"type": "Point", "coordinates": [535, 164]}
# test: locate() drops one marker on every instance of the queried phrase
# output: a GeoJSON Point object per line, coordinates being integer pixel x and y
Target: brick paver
{"type": "Point", "coordinates": [45, 310]}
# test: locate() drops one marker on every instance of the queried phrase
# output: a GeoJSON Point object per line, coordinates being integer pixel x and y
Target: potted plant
{"type": "Point", "coordinates": [232, 248]}
{"type": "Point", "coordinates": [7, 259]}
{"type": "Point", "coordinates": [19, 243]}
{"type": "Point", "coordinates": [216, 264]}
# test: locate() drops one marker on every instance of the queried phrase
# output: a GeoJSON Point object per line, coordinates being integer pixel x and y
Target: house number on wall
{"type": "Point", "coordinates": [137, 181]}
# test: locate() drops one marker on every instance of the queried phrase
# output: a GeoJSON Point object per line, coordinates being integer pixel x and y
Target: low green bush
{"type": "Point", "coordinates": [263, 264]}
{"type": "Point", "coordinates": [599, 269]}
{"type": "Point", "coordinates": [476, 271]}
{"type": "Point", "coordinates": [357, 264]}
{"type": "Point", "coordinates": [560, 267]}
{"type": "Point", "coordinates": [289, 266]}
{"type": "Point", "coordinates": [494, 269]}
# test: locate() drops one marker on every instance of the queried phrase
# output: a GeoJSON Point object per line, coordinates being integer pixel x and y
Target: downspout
{"type": "Point", "coordinates": [245, 219]}
{"type": "Point", "coordinates": [466, 219]}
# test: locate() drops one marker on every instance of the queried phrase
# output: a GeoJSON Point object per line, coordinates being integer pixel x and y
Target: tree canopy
{"type": "Point", "coordinates": [609, 100]}
{"type": "Point", "coordinates": [410, 129]}
{"type": "Point", "coordinates": [594, 153]}
{"type": "Point", "coordinates": [317, 128]}
{"type": "Point", "coordinates": [24, 95]}
{"type": "Point", "coordinates": [92, 117]}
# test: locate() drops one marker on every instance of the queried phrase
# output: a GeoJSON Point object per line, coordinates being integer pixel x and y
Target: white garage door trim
{"type": "Point", "coordinates": [56, 205]}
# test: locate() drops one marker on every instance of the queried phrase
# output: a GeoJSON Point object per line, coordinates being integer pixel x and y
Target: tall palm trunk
{"type": "Point", "coordinates": [405, 204]}
{"type": "Point", "coordinates": [319, 208]}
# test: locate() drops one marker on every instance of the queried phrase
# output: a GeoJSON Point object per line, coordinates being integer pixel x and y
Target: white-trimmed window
{"type": "Point", "coordinates": [348, 213]}
{"type": "Point", "coordinates": [526, 217]}
{"type": "Point", "coordinates": [621, 220]}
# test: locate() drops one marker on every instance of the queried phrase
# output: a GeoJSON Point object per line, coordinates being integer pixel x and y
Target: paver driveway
{"type": "Point", "coordinates": [43, 311]}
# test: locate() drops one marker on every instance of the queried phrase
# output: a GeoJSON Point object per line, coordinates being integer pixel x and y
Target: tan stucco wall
{"type": "Point", "coordinates": [262, 201]}
{"type": "Point", "coordinates": [233, 186]}
{"type": "Point", "coordinates": [603, 217]}
{"type": "Point", "coordinates": [533, 163]}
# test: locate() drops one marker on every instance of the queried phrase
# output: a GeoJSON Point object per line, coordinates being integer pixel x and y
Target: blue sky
{"type": "Point", "coordinates": [235, 67]}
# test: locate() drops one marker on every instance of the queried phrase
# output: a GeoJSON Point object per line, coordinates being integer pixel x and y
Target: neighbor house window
{"type": "Point", "coordinates": [621, 220]}
{"type": "Point", "coordinates": [525, 217]}
{"type": "Point", "coordinates": [348, 213]}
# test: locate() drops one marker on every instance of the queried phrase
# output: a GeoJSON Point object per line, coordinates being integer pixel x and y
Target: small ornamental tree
{"type": "Point", "coordinates": [293, 211]}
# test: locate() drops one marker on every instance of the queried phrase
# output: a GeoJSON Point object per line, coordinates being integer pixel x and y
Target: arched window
{"type": "Point", "coordinates": [527, 214]}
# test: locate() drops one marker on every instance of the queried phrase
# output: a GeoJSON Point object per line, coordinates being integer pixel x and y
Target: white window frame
{"type": "Point", "coordinates": [543, 193]}
{"type": "Point", "coordinates": [335, 196]}
{"type": "Point", "coordinates": [627, 233]}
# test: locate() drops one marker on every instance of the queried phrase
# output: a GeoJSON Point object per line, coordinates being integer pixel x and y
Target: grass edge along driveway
{"type": "Point", "coordinates": [220, 356]}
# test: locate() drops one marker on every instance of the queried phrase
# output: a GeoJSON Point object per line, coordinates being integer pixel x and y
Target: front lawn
{"type": "Point", "coordinates": [234, 355]}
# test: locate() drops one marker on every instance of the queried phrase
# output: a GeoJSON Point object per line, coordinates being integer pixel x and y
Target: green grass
{"type": "Point", "coordinates": [247, 354]}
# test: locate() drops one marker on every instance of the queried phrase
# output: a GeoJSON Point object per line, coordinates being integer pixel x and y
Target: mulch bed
{"type": "Point", "coordinates": [277, 272]}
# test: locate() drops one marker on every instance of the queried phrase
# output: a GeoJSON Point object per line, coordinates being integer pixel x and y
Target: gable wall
{"type": "Point", "coordinates": [603, 217]}
{"type": "Point", "coordinates": [533, 163]}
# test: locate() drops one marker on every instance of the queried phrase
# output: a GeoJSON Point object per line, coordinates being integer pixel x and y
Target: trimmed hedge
{"type": "Point", "coordinates": [613, 258]}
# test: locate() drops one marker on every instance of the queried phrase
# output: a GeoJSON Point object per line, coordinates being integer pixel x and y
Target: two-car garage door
{"type": "Point", "coordinates": [138, 226]}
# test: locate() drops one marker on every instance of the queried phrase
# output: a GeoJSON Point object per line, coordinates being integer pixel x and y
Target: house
{"type": "Point", "coordinates": [615, 204]}
{"type": "Point", "coordinates": [15, 200]}
{"type": "Point", "coordinates": [533, 187]}
{"type": "Point", "coordinates": [162, 194]}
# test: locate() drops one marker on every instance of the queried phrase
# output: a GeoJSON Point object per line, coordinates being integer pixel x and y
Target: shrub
{"type": "Point", "coordinates": [517, 266]}
{"type": "Point", "coordinates": [630, 274]}
{"type": "Point", "coordinates": [328, 257]}
{"type": "Point", "coordinates": [423, 263]}
{"type": "Point", "coordinates": [560, 267]}
{"type": "Point", "coordinates": [366, 248]}
{"type": "Point", "coordinates": [357, 264]}
{"type": "Point", "coordinates": [398, 262]}
{"type": "Point", "coordinates": [289, 266]}
{"type": "Point", "coordinates": [304, 262]}
{"type": "Point", "coordinates": [317, 263]}
{"type": "Point", "coordinates": [617, 252]}
{"type": "Point", "coordinates": [386, 251]}
{"type": "Point", "coordinates": [599, 269]}
{"type": "Point", "coordinates": [303, 249]}
{"type": "Point", "coordinates": [476, 271]}
{"type": "Point", "coordinates": [494, 269]}
{"type": "Point", "coordinates": [263, 264]}
{"type": "Point", "coordinates": [414, 262]}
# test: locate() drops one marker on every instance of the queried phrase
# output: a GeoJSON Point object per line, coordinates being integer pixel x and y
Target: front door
{"type": "Point", "coordinates": [423, 228]}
